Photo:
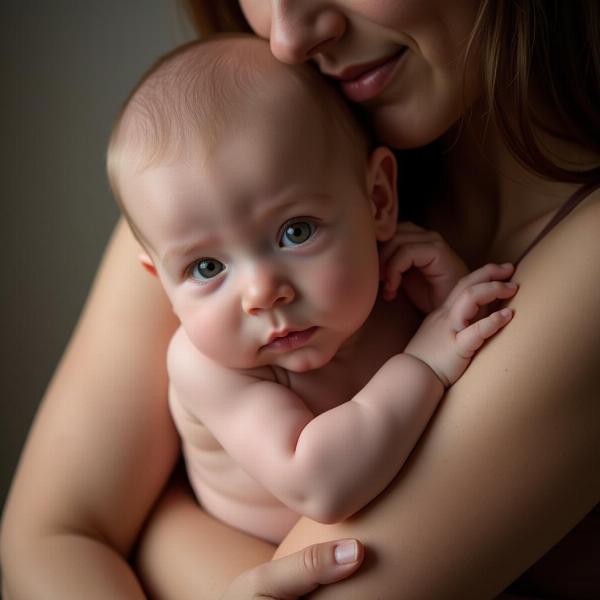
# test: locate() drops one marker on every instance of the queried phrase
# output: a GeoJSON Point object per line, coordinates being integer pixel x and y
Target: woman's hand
{"type": "Point", "coordinates": [297, 574]}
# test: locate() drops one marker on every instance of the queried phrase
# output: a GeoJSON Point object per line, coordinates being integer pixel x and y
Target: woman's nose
{"type": "Point", "coordinates": [300, 29]}
{"type": "Point", "coordinates": [265, 290]}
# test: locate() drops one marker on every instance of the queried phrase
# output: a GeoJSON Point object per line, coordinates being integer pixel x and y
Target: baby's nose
{"type": "Point", "coordinates": [265, 290]}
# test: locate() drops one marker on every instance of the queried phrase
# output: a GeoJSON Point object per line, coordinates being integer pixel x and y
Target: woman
{"type": "Point", "coordinates": [509, 464]}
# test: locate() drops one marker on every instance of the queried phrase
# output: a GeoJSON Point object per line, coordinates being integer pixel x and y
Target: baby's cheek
{"type": "Point", "coordinates": [349, 291]}
{"type": "Point", "coordinates": [208, 331]}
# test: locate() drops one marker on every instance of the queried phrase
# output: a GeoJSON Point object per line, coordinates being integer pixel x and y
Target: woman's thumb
{"type": "Point", "coordinates": [300, 573]}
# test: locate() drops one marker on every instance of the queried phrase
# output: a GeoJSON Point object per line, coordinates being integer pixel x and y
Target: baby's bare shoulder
{"type": "Point", "coordinates": [184, 361]}
{"type": "Point", "coordinates": [190, 370]}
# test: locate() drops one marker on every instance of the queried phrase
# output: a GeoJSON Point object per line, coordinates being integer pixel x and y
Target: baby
{"type": "Point", "coordinates": [270, 222]}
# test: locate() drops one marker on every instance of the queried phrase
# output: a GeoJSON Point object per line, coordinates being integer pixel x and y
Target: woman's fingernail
{"type": "Point", "coordinates": [506, 312]}
{"type": "Point", "coordinates": [346, 552]}
{"type": "Point", "coordinates": [506, 265]}
{"type": "Point", "coordinates": [511, 284]}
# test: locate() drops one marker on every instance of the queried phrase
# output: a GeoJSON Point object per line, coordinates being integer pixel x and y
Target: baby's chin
{"type": "Point", "coordinates": [294, 364]}
{"type": "Point", "coordinates": [296, 361]}
{"type": "Point", "coordinates": [304, 360]}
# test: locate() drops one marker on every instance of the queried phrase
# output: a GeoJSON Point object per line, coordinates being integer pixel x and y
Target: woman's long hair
{"type": "Point", "coordinates": [549, 47]}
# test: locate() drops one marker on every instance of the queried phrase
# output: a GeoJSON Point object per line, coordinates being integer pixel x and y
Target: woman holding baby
{"type": "Point", "coordinates": [493, 107]}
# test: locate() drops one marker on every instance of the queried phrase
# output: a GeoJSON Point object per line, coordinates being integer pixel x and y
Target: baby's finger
{"type": "Point", "coordinates": [391, 283]}
{"type": "Point", "coordinates": [419, 256]}
{"type": "Point", "coordinates": [390, 247]}
{"type": "Point", "coordinates": [469, 340]}
{"type": "Point", "coordinates": [407, 256]}
{"type": "Point", "coordinates": [467, 306]}
{"type": "Point", "coordinates": [405, 227]}
{"type": "Point", "coordinates": [408, 226]}
{"type": "Point", "coordinates": [489, 272]}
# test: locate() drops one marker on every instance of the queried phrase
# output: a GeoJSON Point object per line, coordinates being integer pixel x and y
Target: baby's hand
{"type": "Point", "coordinates": [423, 263]}
{"type": "Point", "coordinates": [450, 336]}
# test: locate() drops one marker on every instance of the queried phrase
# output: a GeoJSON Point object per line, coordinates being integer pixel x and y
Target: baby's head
{"type": "Point", "coordinates": [258, 202]}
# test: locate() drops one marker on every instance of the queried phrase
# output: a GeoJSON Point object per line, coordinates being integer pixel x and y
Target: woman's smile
{"type": "Point", "coordinates": [370, 80]}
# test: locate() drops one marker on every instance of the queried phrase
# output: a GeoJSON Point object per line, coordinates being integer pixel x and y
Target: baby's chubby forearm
{"type": "Point", "coordinates": [330, 465]}
{"type": "Point", "coordinates": [350, 454]}
{"type": "Point", "coordinates": [325, 466]}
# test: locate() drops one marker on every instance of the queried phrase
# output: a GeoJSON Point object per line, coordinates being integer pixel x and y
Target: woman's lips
{"type": "Point", "coordinates": [292, 340]}
{"type": "Point", "coordinates": [371, 81]}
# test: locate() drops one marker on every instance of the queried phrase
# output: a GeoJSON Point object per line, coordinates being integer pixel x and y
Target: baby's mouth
{"type": "Point", "coordinates": [284, 341]}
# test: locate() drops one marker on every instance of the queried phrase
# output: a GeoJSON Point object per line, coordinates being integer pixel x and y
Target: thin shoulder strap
{"type": "Point", "coordinates": [583, 192]}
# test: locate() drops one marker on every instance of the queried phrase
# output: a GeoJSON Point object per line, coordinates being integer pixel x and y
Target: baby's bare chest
{"type": "Point", "coordinates": [213, 473]}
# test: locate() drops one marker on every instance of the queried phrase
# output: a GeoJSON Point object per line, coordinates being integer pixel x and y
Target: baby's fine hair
{"type": "Point", "coordinates": [200, 95]}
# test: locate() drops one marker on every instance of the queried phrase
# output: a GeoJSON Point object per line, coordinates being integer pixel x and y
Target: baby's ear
{"type": "Point", "coordinates": [147, 263]}
{"type": "Point", "coordinates": [382, 192]}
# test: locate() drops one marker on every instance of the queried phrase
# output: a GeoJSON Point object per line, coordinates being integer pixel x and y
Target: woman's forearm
{"type": "Point", "coordinates": [102, 445]}
{"type": "Point", "coordinates": [509, 462]}
{"type": "Point", "coordinates": [185, 554]}
{"type": "Point", "coordinates": [56, 566]}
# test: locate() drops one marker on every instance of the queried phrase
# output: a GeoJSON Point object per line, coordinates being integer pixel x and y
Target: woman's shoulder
{"type": "Point", "coordinates": [546, 362]}
{"type": "Point", "coordinates": [550, 352]}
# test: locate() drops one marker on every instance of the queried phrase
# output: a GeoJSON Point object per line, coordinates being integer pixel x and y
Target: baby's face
{"type": "Point", "coordinates": [267, 251]}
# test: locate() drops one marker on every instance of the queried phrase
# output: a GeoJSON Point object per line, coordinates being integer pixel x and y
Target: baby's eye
{"type": "Point", "coordinates": [296, 233]}
{"type": "Point", "coordinates": [206, 268]}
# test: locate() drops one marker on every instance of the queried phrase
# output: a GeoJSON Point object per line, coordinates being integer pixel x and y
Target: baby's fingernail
{"type": "Point", "coordinates": [506, 312]}
{"type": "Point", "coordinates": [506, 265]}
{"type": "Point", "coordinates": [346, 552]}
{"type": "Point", "coordinates": [511, 284]}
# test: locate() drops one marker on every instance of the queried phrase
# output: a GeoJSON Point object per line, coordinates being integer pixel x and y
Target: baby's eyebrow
{"type": "Point", "coordinates": [278, 204]}
{"type": "Point", "coordinates": [179, 252]}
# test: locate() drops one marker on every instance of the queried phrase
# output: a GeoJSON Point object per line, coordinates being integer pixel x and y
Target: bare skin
{"type": "Point", "coordinates": [52, 510]}
{"type": "Point", "coordinates": [563, 434]}
{"type": "Point", "coordinates": [518, 447]}
{"type": "Point", "coordinates": [516, 400]}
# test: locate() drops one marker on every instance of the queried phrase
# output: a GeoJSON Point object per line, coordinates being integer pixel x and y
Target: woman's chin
{"type": "Point", "coordinates": [402, 130]}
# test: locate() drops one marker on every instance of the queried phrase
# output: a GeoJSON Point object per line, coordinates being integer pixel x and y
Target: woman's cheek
{"type": "Point", "coordinates": [257, 14]}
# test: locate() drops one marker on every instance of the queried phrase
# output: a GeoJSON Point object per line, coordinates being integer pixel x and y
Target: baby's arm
{"type": "Point", "coordinates": [312, 463]}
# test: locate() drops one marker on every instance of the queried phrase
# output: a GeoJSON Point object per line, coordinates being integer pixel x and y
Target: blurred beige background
{"type": "Point", "coordinates": [66, 65]}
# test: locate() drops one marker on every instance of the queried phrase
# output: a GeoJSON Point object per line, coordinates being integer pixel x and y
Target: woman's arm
{"type": "Point", "coordinates": [223, 563]}
{"type": "Point", "coordinates": [510, 462]}
{"type": "Point", "coordinates": [102, 445]}
{"type": "Point", "coordinates": [185, 554]}
{"type": "Point", "coordinates": [98, 456]}
{"type": "Point", "coordinates": [507, 467]}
